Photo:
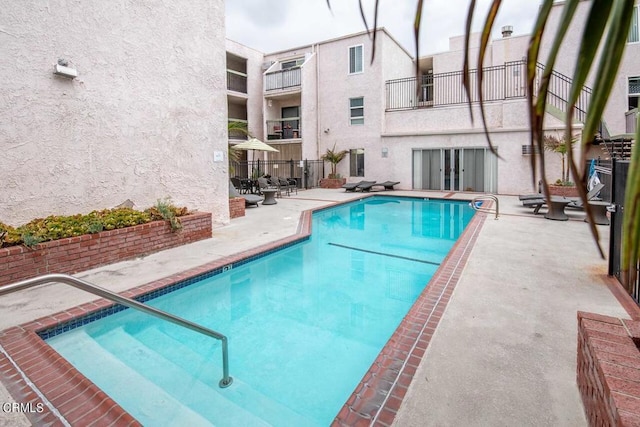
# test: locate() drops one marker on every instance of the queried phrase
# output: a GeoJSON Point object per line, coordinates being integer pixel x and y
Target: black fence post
{"type": "Point", "coordinates": [614, 220]}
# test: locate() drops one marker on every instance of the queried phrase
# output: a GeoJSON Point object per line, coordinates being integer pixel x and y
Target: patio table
{"type": "Point", "coordinates": [269, 196]}
{"type": "Point", "coordinates": [556, 208]}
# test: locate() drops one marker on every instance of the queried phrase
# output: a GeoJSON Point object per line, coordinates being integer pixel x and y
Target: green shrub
{"type": "Point", "coordinates": [58, 227]}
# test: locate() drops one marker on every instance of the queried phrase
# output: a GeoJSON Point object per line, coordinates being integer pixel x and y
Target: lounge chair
{"type": "Point", "coordinates": [366, 185]}
{"type": "Point", "coordinates": [575, 202]}
{"type": "Point", "coordinates": [351, 186]}
{"type": "Point", "coordinates": [388, 185]}
{"type": "Point", "coordinates": [249, 199]}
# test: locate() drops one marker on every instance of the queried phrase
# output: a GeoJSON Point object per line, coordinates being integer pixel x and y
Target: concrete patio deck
{"type": "Point", "coordinates": [504, 352]}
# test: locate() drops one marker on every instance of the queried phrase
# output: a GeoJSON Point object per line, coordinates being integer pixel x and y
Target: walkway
{"type": "Point", "coordinates": [504, 352]}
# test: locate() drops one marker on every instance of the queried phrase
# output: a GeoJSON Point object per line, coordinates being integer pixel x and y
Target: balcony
{"type": "Point", "coordinates": [288, 128]}
{"type": "Point", "coordinates": [236, 81]}
{"type": "Point", "coordinates": [284, 79]}
{"type": "Point", "coordinates": [430, 90]}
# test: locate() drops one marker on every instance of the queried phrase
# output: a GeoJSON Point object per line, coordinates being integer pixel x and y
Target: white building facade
{"type": "Point", "coordinates": [144, 119]}
{"type": "Point", "coordinates": [418, 130]}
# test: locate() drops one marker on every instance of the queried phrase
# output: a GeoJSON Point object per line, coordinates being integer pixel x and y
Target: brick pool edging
{"type": "Point", "coordinates": [78, 400]}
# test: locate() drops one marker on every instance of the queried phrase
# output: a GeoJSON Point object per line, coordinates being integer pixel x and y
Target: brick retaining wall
{"type": "Point", "coordinates": [609, 369]}
{"type": "Point", "coordinates": [236, 207]}
{"type": "Point", "coordinates": [74, 254]}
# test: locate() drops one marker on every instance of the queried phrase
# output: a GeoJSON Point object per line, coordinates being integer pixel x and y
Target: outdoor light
{"type": "Point", "coordinates": [62, 69]}
{"type": "Point", "coordinates": [385, 152]}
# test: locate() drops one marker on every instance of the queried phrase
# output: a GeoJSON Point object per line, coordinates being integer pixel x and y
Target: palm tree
{"type": "Point", "coordinates": [600, 53]}
{"type": "Point", "coordinates": [334, 157]}
{"type": "Point", "coordinates": [234, 155]}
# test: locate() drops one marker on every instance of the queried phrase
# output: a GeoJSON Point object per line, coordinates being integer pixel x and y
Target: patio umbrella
{"type": "Point", "coordinates": [254, 144]}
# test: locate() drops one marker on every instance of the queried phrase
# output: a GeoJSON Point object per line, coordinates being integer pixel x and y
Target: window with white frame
{"type": "Point", "coordinates": [634, 34]}
{"type": "Point", "coordinates": [356, 162]}
{"type": "Point", "coordinates": [634, 92]}
{"type": "Point", "coordinates": [356, 111]}
{"type": "Point", "coordinates": [356, 59]}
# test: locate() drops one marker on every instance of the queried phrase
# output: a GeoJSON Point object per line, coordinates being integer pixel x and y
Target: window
{"type": "Point", "coordinates": [356, 162]}
{"type": "Point", "coordinates": [292, 64]}
{"type": "Point", "coordinates": [634, 92]}
{"type": "Point", "coordinates": [355, 59]}
{"type": "Point", "coordinates": [634, 35]}
{"type": "Point", "coordinates": [356, 111]}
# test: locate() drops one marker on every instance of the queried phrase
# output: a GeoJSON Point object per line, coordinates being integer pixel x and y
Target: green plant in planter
{"type": "Point", "coordinates": [334, 157]}
{"type": "Point", "coordinates": [559, 145]}
{"type": "Point", "coordinates": [166, 210]}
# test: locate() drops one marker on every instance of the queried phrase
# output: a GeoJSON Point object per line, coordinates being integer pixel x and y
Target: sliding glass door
{"type": "Point", "coordinates": [455, 169]}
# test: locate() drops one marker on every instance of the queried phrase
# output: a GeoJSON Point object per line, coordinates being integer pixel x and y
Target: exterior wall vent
{"type": "Point", "coordinates": [529, 149]}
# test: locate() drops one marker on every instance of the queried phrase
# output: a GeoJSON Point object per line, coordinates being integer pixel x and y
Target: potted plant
{"type": "Point", "coordinates": [333, 157]}
{"type": "Point", "coordinates": [562, 186]}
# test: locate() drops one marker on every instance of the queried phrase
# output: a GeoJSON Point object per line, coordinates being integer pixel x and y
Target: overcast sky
{"type": "Point", "coordinates": [273, 25]}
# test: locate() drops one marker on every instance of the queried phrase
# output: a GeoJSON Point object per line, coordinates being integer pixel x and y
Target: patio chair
{"type": "Point", "coordinates": [286, 185]}
{"type": "Point", "coordinates": [237, 184]}
{"type": "Point", "coordinates": [249, 199]}
{"type": "Point", "coordinates": [352, 186]}
{"type": "Point", "coordinates": [388, 185]}
{"type": "Point", "coordinates": [264, 184]}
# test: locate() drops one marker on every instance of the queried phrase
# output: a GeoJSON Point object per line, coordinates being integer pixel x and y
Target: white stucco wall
{"type": "Point", "coordinates": [614, 114]}
{"type": "Point", "coordinates": [141, 122]}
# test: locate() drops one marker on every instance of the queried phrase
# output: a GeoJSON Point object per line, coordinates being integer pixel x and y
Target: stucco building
{"type": "Point", "coordinates": [418, 130]}
{"type": "Point", "coordinates": [144, 119]}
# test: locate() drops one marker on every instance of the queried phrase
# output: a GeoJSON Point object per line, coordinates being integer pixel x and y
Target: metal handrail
{"type": "Point", "coordinates": [481, 209]}
{"type": "Point", "coordinates": [128, 302]}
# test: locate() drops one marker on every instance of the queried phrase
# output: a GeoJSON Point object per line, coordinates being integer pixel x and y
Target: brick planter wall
{"type": "Point", "coordinates": [564, 191]}
{"type": "Point", "coordinates": [236, 207]}
{"type": "Point", "coordinates": [74, 254]}
{"type": "Point", "coordinates": [332, 182]}
{"type": "Point", "coordinates": [609, 369]}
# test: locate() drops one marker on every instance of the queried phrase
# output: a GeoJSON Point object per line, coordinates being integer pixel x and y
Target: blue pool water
{"type": "Point", "coordinates": [304, 323]}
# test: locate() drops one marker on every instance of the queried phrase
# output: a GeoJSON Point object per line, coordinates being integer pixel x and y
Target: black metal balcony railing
{"type": "Point", "coordinates": [283, 79]}
{"type": "Point", "coordinates": [236, 81]}
{"type": "Point", "coordinates": [500, 82]}
{"type": "Point", "coordinates": [288, 128]}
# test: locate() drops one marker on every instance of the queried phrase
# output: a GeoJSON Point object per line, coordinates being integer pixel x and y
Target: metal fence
{"type": "Point", "coordinates": [307, 173]}
{"type": "Point", "coordinates": [620, 170]}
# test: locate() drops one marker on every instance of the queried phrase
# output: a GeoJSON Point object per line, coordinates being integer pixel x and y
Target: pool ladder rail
{"type": "Point", "coordinates": [476, 204]}
{"type": "Point", "coordinates": [131, 303]}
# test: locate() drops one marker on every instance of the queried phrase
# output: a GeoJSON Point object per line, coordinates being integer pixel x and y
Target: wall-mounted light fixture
{"type": "Point", "coordinates": [385, 152]}
{"type": "Point", "coordinates": [62, 69]}
{"type": "Point", "coordinates": [270, 103]}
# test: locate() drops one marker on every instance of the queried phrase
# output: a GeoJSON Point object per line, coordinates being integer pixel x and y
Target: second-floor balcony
{"type": "Point", "coordinates": [283, 79]}
{"type": "Point", "coordinates": [236, 81]}
{"type": "Point", "coordinates": [288, 128]}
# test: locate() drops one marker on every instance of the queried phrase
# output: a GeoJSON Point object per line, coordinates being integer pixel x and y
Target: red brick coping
{"type": "Point", "coordinates": [375, 400]}
{"type": "Point", "coordinates": [74, 254]}
{"type": "Point", "coordinates": [608, 371]}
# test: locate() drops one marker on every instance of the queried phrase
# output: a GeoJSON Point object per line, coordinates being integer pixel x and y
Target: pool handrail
{"type": "Point", "coordinates": [479, 208]}
{"type": "Point", "coordinates": [127, 302]}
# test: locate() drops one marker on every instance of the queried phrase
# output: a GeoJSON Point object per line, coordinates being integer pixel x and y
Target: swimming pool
{"type": "Point", "coordinates": [305, 322]}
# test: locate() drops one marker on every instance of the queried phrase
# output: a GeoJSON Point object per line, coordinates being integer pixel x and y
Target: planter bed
{"type": "Point", "coordinates": [73, 254]}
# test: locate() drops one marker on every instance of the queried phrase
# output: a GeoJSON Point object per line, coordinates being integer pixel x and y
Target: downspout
{"type": "Point", "coordinates": [316, 49]}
